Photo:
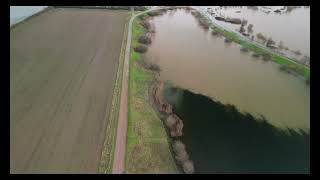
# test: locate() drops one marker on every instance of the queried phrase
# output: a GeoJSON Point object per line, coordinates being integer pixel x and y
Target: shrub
{"type": "Point", "coordinates": [244, 49]}
{"type": "Point", "coordinates": [213, 32]}
{"type": "Point", "coordinates": [255, 55]}
{"type": "Point", "coordinates": [227, 40]}
{"type": "Point", "coordinates": [144, 39]}
{"type": "Point", "coordinates": [250, 26]}
{"type": "Point", "coordinates": [141, 48]}
{"type": "Point", "coordinates": [146, 24]}
{"type": "Point", "coordinates": [262, 37]}
{"type": "Point", "coordinates": [170, 121]}
{"type": "Point", "coordinates": [154, 67]}
{"type": "Point", "coordinates": [188, 167]}
{"type": "Point", "coordinates": [154, 13]}
{"type": "Point", "coordinates": [266, 56]}
{"type": "Point", "coordinates": [308, 81]}
{"type": "Point", "coordinates": [178, 146]}
{"type": "Point", "coordinates": [182, 156]}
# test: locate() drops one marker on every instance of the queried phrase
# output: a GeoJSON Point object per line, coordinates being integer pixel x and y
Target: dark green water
{"type": "Point", "coordinates": [220, 139]}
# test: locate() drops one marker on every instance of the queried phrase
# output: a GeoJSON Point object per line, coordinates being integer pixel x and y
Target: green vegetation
{"type": "Point", "coordinates": [148, 149]}
{"type": "Point", "coordinates": [106, 161]}
{"type": "Point", "coordinates": [141, 48]}
{"type": "Point", "coordinates": [258, 51]}
{"type": "Point", "coordinates": [203, 21]}
{"type": "Point", "coordinates": [144, 39]}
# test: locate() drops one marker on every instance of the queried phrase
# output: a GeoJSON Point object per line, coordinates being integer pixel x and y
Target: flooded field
{"type": "Point", "coordinates": [192, 58]}
{"type": "Point", "coordinates": [222, 138]}
{"type": "Point", "coordinates": [291, 25]}
{"type": "Point", "coordinates": [19, 13]}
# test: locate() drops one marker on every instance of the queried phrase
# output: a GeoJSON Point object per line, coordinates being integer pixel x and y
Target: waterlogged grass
{"type": "Point", "coordinates": [298, 68]}
{"type": "Point", "coordinates": [148, 149]}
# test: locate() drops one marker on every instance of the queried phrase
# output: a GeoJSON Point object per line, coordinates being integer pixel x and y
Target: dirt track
{"type": "Point", "coordinates": [62, 67]}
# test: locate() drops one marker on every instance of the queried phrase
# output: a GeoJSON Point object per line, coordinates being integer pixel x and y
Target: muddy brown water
{"type": "Point", "coordinates": [191, 58]}
{"type": "Point", "coordinates": [292, 28]}
{"type": "Point", "coordinates": [211, 74]}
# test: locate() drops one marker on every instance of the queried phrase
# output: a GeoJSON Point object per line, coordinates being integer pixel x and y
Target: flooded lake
{"type": "Point", "coordinates": [219, 138]}
{"type": "Point", "coordinates": [192, 58]}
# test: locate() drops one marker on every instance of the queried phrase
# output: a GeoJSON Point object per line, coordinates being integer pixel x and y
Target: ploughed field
{"type": "Point", "coordinates": [62, 68]}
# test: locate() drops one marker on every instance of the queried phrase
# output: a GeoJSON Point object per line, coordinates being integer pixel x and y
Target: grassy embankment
{"type": "Point", "coordinates": [111, 130]}
{"type": "Point", "coordinates": [287, 63]}
{"type": "Point", "coordinates": [148, 149]}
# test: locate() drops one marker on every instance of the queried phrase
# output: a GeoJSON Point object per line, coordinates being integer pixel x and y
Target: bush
{"type": "Point", "coordinates": [154, 13]}
{"type": "Point", "coordinates": [244, 49]}
{"type": "Point", "coordinates": [144, 39]}
{"type": "Point", "coordinates": [141, 48]}
{"type": "Point", "coordinates": [215, 33]}
{"type": "Point", "coordinates": [146, 25]}
{"type": "Point", "coordinates": [154, 67]}
{"type": "Point", "coordinates": [227, 40]}
{"type": "Point", "coordinates": [266, 57]}
{"type": "Point", "coordinates": [170, 122]}
{"type": "Point", "coordinates": [255, 55]}
{"type": "Point", "coordinates": [178, 146]}
{"type": "Point", "coordinates": [188, 167]}
{"type": "Point", "coordinates": [182, 156]}
{"type": "Point", "coordinates": [250, 26]}
{"type": "Point", "coordinates": [308, 81]}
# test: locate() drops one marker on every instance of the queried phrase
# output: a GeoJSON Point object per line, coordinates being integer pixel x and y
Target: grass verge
{"type": "Point", "coordinates": [148, 149]}
{"type": "Point", "coordinates": [298, 68]}
{"type": "Point", "coordinates": [106, 161]}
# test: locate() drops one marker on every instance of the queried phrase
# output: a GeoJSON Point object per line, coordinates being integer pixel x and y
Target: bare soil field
{"type": "Point", "coordinates": [62, 69]}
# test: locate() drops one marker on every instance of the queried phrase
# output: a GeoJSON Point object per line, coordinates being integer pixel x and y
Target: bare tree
{"type": "Point", "coordinates": [244, 22]}
{"type": "Point", "coordinates": [188, 167]}
{"type": "Point", "coordinates": [280, 46]}
{"type": "Point", "coordinates": [250, 26]}
{"type": "Point", "coordinates": [270, 42]}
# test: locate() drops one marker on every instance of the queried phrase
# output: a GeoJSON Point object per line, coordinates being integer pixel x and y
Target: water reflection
{"type": "Point", "coordinates": [221, 139]}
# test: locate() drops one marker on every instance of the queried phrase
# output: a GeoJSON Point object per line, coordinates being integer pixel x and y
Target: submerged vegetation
{"type": "Point", "coordinates": [258, 51]}
{"type": "Point", "coordinates": [203, 21]}
{"type": "Point", "coordinates": [144, 39]}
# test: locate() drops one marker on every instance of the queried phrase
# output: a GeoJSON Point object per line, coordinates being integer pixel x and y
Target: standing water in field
{"type": "Point", "coordinates": [191, 58]}
{"type": "Point", "coordinates": [19, 13]}
{"type": "Point", "coordinates": [286, 25]}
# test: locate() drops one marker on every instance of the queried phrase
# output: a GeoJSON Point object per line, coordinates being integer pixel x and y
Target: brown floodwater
{"type": "Point", "coordinates": [191, 58]}
{"type": "Point", "coordinates": [290, 27]}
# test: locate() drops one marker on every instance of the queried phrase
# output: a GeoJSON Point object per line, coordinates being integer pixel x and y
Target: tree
{"type": "Point", "coordinates": [244, 22]}
{"type": "Point", "coordinates": [280, 46]}
{"type": "Point", "coordinates": [242, 30]}
{"type": "Point", "coordinates": [270, 42]}
{"type": "Point", "coordinates": [250, 26]}
{"type": "Point", "coordinates": [188, 167]}
{"type": "Point", "coordinates": [261, 37]}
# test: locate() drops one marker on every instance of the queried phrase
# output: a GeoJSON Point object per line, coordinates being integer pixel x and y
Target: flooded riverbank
{"type": "Point", "coordinates": [286, 25]}
{"type": "Point", "coordinates": [192, 58]}
{"type": "Point", "coordinates": [273, 137]}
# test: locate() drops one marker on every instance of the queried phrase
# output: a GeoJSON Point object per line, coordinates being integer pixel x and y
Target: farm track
{"type": "Point", "coordinates": [62, 67]}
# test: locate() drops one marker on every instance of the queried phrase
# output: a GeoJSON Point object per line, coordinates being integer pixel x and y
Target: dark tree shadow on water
{"type": "Point", "coordinates": [220, 139]}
